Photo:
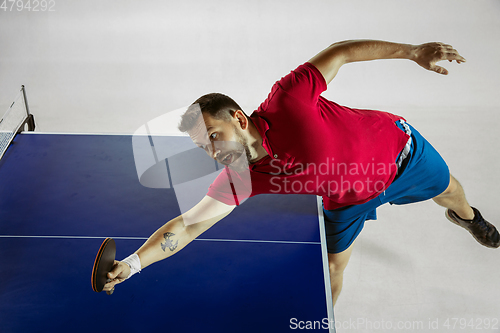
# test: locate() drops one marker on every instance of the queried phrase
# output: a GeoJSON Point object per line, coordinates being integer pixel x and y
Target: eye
{"type": "Point", "coordinates": [213, 136]}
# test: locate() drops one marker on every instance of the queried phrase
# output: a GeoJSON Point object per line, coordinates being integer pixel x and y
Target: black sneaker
{"type": "Point", "coordinates": [483, 231]}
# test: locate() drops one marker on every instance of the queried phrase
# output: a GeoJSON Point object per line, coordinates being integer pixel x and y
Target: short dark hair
{"type": "Point", "coordinates": [217, 105]}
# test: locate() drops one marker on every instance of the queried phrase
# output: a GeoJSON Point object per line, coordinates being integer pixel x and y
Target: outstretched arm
{"type": "Point", "coordinates": [426, 55]}
{"type": "Point", "coordinates": [178, 233]}
{"type": "Point", "coordinates": [173, 236]}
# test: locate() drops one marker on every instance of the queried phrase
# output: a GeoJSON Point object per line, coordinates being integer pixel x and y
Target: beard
{"type": "Point", "coordinates": [231, 151]}
{"type": "Point", "coordinates": [244, 142]}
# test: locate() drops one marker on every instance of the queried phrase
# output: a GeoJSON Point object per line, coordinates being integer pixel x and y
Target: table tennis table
{"type": "Point", "coordinates": [263, 268]}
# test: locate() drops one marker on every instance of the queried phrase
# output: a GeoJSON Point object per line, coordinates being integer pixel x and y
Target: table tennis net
{"type": "Point", "coordinates": [12, 122]}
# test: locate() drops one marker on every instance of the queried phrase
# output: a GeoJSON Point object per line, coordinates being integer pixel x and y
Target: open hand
{"type": "Point", "coordinates": [426, 55]}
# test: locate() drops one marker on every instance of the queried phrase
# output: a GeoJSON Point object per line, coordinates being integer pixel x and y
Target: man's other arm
{"type": "Point", "coordinates": [426, 55]}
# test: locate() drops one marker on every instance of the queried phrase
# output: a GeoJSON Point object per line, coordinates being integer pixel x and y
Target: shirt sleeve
{"type": "Point", "coordinates": [305, 83]}
{"type": "Point", "coordinates": [231, 187]}
{"type": "Point", "coordinates": [221, 191]}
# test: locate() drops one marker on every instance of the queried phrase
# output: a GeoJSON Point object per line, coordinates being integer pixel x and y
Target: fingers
{"type": "Point", "coordinates": [450, 54]}
{"type": "Point", "coordinates": [427, 55]}
{"type": "Point", "coordinates": [117, 275]}
{"type": "Point", "coordinates": [112, 283]}
{"type": "Point", "coordinates": [453, 54]}
{"type": "Point", "coordinates": [439, 69]}
{"type": "Point", "coordinates": [116, 270]}
{"type": "Point", "coordinates": [119, 270]}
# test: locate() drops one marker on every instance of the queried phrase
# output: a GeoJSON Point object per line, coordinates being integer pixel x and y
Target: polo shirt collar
{"type": "Point", "coordinates": [262, 127]}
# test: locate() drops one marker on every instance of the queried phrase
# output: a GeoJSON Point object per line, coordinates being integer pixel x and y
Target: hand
{"type": "Point", "coordinates": [118, 274]}
{"type": "Point", "coordinates": [426, 55]}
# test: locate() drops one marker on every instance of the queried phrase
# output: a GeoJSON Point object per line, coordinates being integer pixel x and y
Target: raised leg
{"type": "Point", "coordinates": [462, 214]}
{"type": "Point", "coordinates": [454, 198]}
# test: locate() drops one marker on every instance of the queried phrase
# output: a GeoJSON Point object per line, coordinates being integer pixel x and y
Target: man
{"type": "Point", "coordinates": [300, 142]}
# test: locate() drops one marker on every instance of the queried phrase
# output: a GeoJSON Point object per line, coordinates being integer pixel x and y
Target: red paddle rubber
{"type": "Point", "coordinates": [103, 264]}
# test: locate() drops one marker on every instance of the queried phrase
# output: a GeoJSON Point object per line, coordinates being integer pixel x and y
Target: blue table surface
{"type": "Point", "coordinates": [85, 188]}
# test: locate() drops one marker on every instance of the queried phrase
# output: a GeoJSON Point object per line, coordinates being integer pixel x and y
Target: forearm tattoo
{"type": "Point", "coordinates": [169, 243]}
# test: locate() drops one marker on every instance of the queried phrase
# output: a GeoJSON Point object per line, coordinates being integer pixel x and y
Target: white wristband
{"type": "Point", "coordinates": [134, 263]}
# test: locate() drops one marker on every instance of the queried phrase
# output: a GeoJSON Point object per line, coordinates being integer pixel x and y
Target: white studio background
{"type": "Point", "coordinates": [110, 66]}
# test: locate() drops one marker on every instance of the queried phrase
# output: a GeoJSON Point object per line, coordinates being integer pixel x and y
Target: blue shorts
{"type": "Point", "coordinates": [423, 175]}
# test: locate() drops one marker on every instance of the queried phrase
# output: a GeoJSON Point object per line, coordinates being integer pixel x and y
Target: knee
{"type": "Point", "coordinates": [337, 262]}
{"type": "Point", "coordinates": [336, 268]}
{"type": "Point", "coordinates": [452, 187]}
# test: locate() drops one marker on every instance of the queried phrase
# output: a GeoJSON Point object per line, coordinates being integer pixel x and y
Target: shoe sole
{"type": "Point", "coordinates": [446, 213]}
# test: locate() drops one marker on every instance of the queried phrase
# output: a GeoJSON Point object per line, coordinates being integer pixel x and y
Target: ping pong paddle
{"type": "Point", "coordinates": [103, 264]}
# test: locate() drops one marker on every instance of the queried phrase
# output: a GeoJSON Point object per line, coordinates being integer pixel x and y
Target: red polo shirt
{"type": "Point", "coordinates": [318, 147]}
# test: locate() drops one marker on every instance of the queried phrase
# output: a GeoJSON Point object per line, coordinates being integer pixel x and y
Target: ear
{"type": "Point", "coordinates": [241, 118]}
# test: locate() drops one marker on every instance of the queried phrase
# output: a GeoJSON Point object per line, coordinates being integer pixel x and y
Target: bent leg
{"type": "Point", "coordinates": [454, 198]}
{"type": "Point", "coordinates": [337, 263]}
{"type": "Point", "coordinates": [462, 214]}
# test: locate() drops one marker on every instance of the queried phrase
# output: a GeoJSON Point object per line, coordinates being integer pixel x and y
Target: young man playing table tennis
{"type": "Point", "coordinates": [299, 142]}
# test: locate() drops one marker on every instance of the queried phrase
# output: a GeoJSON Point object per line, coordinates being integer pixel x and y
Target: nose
{"type": "Point", "coordinates": [212, 152]}
{"type": "Point", "coordinates": [215, 153]}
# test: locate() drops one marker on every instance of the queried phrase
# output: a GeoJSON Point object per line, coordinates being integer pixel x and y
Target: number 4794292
{"type": "Point", "coordinates": [28, 5]}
